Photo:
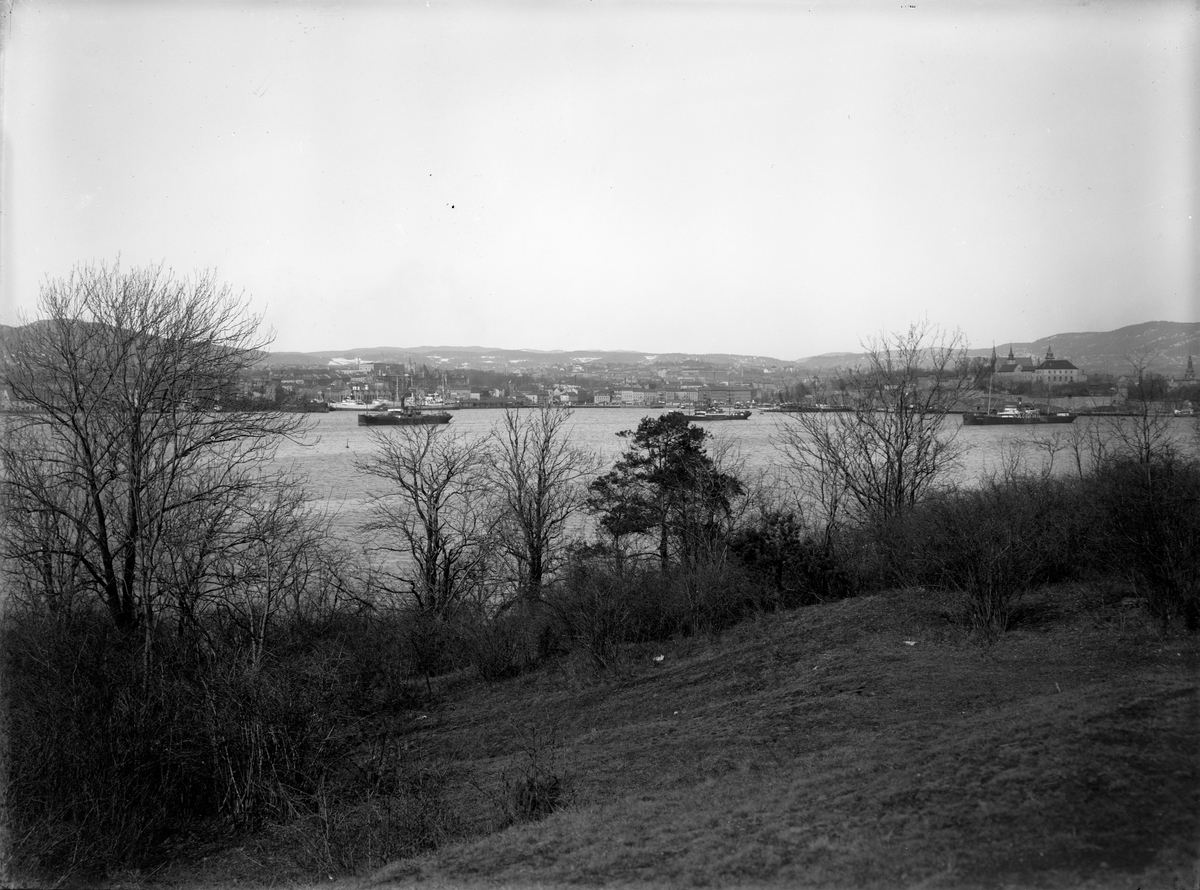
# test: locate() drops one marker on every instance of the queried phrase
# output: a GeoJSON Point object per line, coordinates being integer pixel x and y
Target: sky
{"type": "Point", "coordinates": [763, 178]}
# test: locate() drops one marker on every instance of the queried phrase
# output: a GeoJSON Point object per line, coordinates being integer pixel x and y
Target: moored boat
{"type": "Point", "coordinates": [819, 408]}
{"type": "Point", "coordinates": [405, 415]}
{"type": "Point", "coordinates": [703, 415]}
{"type": "Point", "coordinates": [1013, 415]}
{"type": "Point", "coordinates": [401, 417]}
{"type": "Point", "coordinates": [356, 405]}
{"type": "Point", "coordinates": [1016, 415]}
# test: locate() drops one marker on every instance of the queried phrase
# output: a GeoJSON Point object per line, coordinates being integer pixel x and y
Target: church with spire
{"type": "Point", "coordinates": [1013, 367]}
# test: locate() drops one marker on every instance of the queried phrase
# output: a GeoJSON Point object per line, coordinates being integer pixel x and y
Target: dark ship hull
{"type": "Point", "coordinates": [703, 416]}
{"type": "Point", "coordinates": [401, 418]}
{"type": "Point", "coordinates": [970, 418]}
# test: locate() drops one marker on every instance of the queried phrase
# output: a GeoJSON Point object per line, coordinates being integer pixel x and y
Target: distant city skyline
{"type": "Point", "coordinates": [750, 178]}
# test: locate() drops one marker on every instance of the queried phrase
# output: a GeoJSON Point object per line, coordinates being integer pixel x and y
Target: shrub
{"type": "Point", "coordinates": [595, 605]}
{"type": "Point", "coordinates": [391, 806]}
{"type": "Point", "coordinates": [506, 644]}
{"type": "Point", "coordinates": [98, 763]}
{"type": "Point", "coordinates": [1151, 530]}
{"type": "Point", "coordinates": [431, 644]}
{"type": "Point", "coordinates": [797, 569]}
{"type": "Point", "coordinates": [536, 785]}
{"type": "Point", "coordinates": [374, 652]}
{"type": "Point", "coordinates": [111, 750]}
{"type": "Point", "coordinates": [601, 604]}
{"type": "Point", "coordinates": [711, 595]}
{"type": "Point", "coordinates": [994, 543]}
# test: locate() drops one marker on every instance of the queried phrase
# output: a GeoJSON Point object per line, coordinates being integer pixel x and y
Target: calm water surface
{"type": "Point", "coordinates": [337, 440]}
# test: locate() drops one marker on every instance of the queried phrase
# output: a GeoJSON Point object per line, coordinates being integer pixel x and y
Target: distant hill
{"type": "Point", "coordinates": [1165, 344]}
{"type": "Point", "coordinates": [293, 359]}
{"type": "Point", "coordinates": [829, 360]}
{"type": "Point", "coordinates": [493, 357]}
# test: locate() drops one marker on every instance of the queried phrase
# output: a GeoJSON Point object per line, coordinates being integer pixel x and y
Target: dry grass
{"type": "Point", "coordinates": [820, 749]}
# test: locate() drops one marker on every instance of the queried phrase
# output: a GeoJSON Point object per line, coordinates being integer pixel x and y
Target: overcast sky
{"type": "Point", "coordinates": [764, 178]}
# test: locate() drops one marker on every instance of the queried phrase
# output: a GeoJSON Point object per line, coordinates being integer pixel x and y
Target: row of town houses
{"type": "Point", "coordinates": [366, 381]}
{"type": "Point", "coordinates": [369, 381]}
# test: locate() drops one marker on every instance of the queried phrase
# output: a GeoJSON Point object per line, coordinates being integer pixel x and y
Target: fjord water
{"type": "Point", "coordinates": [326, 459]}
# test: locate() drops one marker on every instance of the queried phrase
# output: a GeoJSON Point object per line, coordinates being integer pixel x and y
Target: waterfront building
{"type": "Point", "coordinates": [1051, 371]}
{"type": "Point", "coordinates": [1057, 371]}
{"type": "Point", "coordinates": [727, 395]}
{"type": "Point", "coordinates": [1015, 369]}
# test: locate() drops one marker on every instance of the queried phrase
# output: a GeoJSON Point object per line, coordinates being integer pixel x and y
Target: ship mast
{"type": "Point", "coordinates": [991, 377]}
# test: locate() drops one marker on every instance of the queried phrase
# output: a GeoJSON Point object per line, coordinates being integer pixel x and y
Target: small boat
{"type": "Point", "coordinates": [1016, 415]}
{"type": "Point", "coordinates": [1185, 411]}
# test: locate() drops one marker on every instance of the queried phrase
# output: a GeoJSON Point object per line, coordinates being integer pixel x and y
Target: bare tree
{"type": "Point", "coordinates": [125, 374]}
{"type": "Point", "coordinates": [1086, 445]}
{"type": "Point", "coordinates": [1147, 433]}
{"type": "Point", "coordinates": [876, 460]}
{"type": "Point", "coordinates": [276, 566]}
{"type": "Point", "coordinates": [436, 506]}
{"type": "Point", "coordinates": [540, 481]}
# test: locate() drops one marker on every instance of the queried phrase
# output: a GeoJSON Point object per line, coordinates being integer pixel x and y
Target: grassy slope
{"type": "Point", "coordinates": [820, 749]}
